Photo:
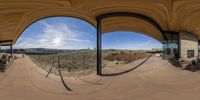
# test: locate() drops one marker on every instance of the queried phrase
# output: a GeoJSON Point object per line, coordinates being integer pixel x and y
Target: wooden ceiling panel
{"type": "Point", "coordinates": [171, 15]}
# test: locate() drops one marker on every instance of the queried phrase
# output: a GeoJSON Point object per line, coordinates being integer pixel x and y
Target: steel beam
{"type": "Point", "coordinates": [135, 15]}
{"type": "Point", "coordinates": [114, 14]}
{"type": "Point", "coordinates": [11, 47]}
{"type": "Point", "coordinates": [11, 41]}
{"type": "Point", "coordinates": [99, 72]}
{"type": "Point", "coordinates": [126, 14]}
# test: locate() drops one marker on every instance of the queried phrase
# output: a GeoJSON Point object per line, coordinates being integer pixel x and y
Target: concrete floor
{"type": "Point", "coordinates": [154, 80]}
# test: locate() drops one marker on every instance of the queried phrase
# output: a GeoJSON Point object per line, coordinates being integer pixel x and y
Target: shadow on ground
{"type": "Point", "coordinates": [193, 65]}
{"type": "Point", "coordinates": [127, 71]}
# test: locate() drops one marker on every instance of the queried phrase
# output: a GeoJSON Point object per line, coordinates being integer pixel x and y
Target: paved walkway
{"type": "Point", "coordinates": [154, 80]}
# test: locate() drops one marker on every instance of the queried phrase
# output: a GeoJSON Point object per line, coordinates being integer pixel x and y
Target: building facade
{"type": "Point", "coordinates": [181, 46]}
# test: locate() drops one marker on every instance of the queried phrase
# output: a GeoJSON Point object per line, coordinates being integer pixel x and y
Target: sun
{"type": "Point", "coordinates": [57, 41]}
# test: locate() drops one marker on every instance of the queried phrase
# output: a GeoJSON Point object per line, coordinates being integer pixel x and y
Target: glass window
{"type": "Point", "coordinates": [168, 35]}
{"type": "Point", "coordinates": [175, 37]}
{"type": "Point", "coordinates": [190, 53]}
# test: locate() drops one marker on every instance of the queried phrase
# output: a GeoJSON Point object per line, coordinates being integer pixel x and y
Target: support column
{"type": "Point", "coordinates": [98, 46]}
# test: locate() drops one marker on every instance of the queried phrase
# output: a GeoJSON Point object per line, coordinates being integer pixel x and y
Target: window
{"type": "Point", "coordinates": [190, 53]}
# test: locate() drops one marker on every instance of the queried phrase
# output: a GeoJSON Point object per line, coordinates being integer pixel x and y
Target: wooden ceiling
{"type": "Point", "coordinates": [171, 15]}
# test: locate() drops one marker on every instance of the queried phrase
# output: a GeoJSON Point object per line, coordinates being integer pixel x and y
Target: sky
{"type": "Point", "coordinates": [73, 33]}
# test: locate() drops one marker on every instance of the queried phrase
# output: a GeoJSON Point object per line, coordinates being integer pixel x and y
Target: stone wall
{"type": "Point", "coordinates": [188, 41]}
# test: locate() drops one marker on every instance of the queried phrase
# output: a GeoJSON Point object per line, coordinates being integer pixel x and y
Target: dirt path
{"type": "Point", "coordinates": [154, 80]}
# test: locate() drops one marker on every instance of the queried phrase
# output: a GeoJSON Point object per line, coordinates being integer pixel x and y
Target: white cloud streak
{"type": "Point", "coordinates": [57, 36]}
{"type": "Point", "coordinates": [146, 45]}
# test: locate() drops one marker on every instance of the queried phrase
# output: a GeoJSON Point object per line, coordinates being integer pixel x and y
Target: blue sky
{"type": "Point", "coordinates": [72, 33]}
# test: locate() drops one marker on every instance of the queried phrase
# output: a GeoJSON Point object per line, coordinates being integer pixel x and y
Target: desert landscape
{"type": "Point", "coordinates": [83, 62]}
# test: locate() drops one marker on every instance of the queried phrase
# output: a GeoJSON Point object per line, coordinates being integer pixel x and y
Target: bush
{"type": "Point", "coordinates": [126, 56]}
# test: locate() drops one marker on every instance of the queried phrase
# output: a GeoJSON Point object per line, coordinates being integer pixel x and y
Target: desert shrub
{"type": "Point", "coordinates": [125, 56]}
{"type": "Point", "coordinates": [73, 61]}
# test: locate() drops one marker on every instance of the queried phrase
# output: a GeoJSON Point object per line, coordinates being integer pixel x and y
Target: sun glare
{"type": "Point", "coordinates": [57, 40]}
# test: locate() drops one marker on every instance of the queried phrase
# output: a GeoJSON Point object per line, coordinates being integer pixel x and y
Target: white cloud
{"type": "Point", "coordinates": [58, 36]}
{"type": "Point", "coordinates": [146, 45]}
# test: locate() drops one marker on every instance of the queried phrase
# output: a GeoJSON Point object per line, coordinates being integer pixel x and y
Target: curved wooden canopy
{"type": "Point", "coordinates": [171, 15]}
{"type": "Point", "coordinates": [120, 23]}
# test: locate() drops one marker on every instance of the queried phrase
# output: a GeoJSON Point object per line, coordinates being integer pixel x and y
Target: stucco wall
{"type": "Point", "coordinates": [188, 41]}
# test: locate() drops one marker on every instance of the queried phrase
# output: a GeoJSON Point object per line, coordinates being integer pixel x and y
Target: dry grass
{"type": "Point", "coordinates": [73, 62]}
{"type": "Point", "coordinates": [83, 62]}
{"type": "Point", "coordinates": [126, 56]}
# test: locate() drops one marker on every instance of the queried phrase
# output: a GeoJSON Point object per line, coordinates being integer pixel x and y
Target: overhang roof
{"type": "Point", "coordinates": [171, 15]}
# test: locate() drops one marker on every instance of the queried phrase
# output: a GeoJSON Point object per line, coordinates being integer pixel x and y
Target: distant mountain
{"type": "Point", "coordinates": [37, 50]}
